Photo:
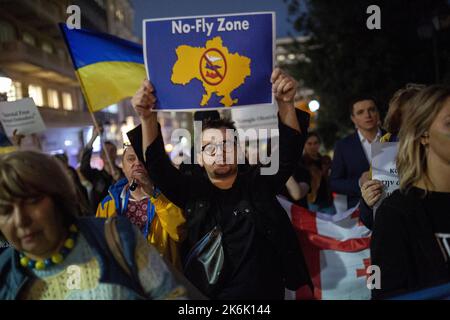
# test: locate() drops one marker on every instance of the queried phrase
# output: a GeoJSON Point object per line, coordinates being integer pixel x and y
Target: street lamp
{"type": "Point", "coordinates": [5, 85]}
{"type": "Point", "coordinates": [314, 105]}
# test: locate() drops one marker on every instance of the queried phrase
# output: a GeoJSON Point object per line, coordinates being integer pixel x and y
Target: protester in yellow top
{"type": "Point", "coordinates": [136, 198]}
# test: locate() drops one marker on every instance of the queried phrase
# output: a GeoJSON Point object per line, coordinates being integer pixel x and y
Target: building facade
{"type": "Point", "coordinates": [34, 56]}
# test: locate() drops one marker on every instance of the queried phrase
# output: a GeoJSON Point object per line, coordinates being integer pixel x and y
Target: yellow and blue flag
{"type": "Point", "coordinates": [109, 68]}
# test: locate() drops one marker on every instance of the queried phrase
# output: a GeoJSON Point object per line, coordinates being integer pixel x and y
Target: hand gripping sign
{"type": "Point", "coordinates": [21, 115]}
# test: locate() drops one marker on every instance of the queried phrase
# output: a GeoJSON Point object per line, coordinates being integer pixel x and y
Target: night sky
{"type": "Point", "coordinates": [174, 8]}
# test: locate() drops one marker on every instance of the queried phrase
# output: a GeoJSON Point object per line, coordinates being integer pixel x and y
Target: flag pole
{"type": "Point", "coordinates": [86, 97]}
{"type": "Point", "coordinates": [96, 125]}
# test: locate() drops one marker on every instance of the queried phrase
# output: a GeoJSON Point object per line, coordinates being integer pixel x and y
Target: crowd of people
{"type": "Point", "coordinates": [147, 229]}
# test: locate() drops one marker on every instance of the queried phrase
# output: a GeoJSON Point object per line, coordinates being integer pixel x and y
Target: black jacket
{"type": "Point", "coordinates": [404, 246]}
{"type": "Point", "coordinates": [349, 162]}
{"type": "Point", "coordinates": [193, 193]}
{"type": "Point", "coordinates": [100, 179]}
{"type": "Point", "coordinates": [365, 214]}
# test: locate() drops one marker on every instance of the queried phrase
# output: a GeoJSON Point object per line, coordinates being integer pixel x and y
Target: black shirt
{"type": "Point", "coordinates": [404, 244]}
{"type": "Point", "coordinates": [100, 179]}
{"type": "Point", "coordinates": [248, 255]}
{"type": "Point", "coordinates": [323, 198]}
{"type": "Point", "coordinates": [437, 207]}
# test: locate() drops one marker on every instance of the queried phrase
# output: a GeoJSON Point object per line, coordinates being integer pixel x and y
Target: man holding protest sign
{"type": "Point", "coordinates": [352, 155]}
{"type": "Point", "coordinates": [258, 246]}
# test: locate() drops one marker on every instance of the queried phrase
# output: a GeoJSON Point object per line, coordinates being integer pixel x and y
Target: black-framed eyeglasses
{"type": "Point", "coordinates": [211, 148]}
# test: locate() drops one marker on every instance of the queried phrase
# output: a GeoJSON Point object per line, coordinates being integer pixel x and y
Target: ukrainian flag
{"type": "Point", "coordinates": [109, 68]}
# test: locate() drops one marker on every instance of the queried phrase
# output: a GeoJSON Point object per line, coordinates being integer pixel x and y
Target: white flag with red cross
{"type": "Point", "coordinates": [336, 249]}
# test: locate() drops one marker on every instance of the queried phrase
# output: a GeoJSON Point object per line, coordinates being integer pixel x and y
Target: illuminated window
{"type": "Point", "coordinates": [18, 89]}
{"type": "Point", "coordinates": [15, 92]}
{"type": "Point", "coordinates": [67, 101]}
{"type": "Point", "coordinates": [53, 100]}
{"type": "Point", "coordinates": [35, 92]}
{"type": "Point", "coordinates": [7, 32]}
{"type": "Point", "coordinates": [119, 15]}
{"type": "Point", "coordinates": [28, 38]}
{"type": "Point", "coordinates": [281, 57]}
{"type": "Point", "coordinates": [46, 47]}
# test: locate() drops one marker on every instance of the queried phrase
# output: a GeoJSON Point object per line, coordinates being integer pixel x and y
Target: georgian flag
{"type": "Point", "coordinates": [336, 249]}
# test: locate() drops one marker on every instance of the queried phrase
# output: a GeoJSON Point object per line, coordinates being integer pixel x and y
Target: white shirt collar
{"type": "Point", "coordinates": [363, 139]}
{"type": "Point", "coordinates": [123, 195]}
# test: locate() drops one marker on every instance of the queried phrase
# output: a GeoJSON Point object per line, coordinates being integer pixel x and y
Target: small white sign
{"type": "Point", "coordinates": [260, 117]}
{"type": "Point", "coordinates": [22, 115]}
{"type": "Point", "coordinates": [384, 167]}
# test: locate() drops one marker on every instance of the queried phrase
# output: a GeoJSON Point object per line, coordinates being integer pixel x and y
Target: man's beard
{"type": "Point", "coordinates": [219, 173]}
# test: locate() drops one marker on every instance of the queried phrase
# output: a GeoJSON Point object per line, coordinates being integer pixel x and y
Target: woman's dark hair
{"type": "Point", "coordinates": [313, 134]}
{"type": "Point", "coordinates": [30, 174]}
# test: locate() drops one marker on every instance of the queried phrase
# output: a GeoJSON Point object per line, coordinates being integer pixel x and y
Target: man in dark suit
{"type": "Point", "coordinates": [352, 155]}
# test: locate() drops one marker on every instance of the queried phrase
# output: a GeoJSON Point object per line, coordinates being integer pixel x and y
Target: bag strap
{"type": "Point", "coordinates": [113, 241]}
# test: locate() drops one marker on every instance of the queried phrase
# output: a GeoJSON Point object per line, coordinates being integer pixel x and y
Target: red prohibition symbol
{"type": "Point", "coordinates": [213, 66]}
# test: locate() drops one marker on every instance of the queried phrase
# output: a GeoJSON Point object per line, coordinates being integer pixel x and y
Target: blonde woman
{"type": "Point", "coordinates": [372, 190]}
{"type": "Point", "coordinates": [411, 234]}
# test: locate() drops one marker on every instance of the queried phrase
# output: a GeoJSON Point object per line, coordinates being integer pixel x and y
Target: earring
{"type": "Point", "coordinates": [425, 135]}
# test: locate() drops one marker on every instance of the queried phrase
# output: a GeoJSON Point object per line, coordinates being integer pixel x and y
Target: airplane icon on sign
{"type": "Point", "coordinates": [213, 59]}
{"type": "Point", "coordinates": [209, 64]}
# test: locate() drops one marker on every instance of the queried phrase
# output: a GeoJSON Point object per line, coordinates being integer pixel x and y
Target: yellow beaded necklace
{"type": "Point", "coordinates": [56, 258]}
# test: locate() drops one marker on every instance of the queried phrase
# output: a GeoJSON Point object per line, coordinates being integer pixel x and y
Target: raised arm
{"type": "Point", "coordinates": [85, 166]}
{"type": "Point", "coordinates": [291, 136]}
{"type": "Point", "coordinates": [143, 102]}
{"type": "Point", "coordinates": [173, 184]}
{"type": "Point", "coordinates": [284, 88]}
